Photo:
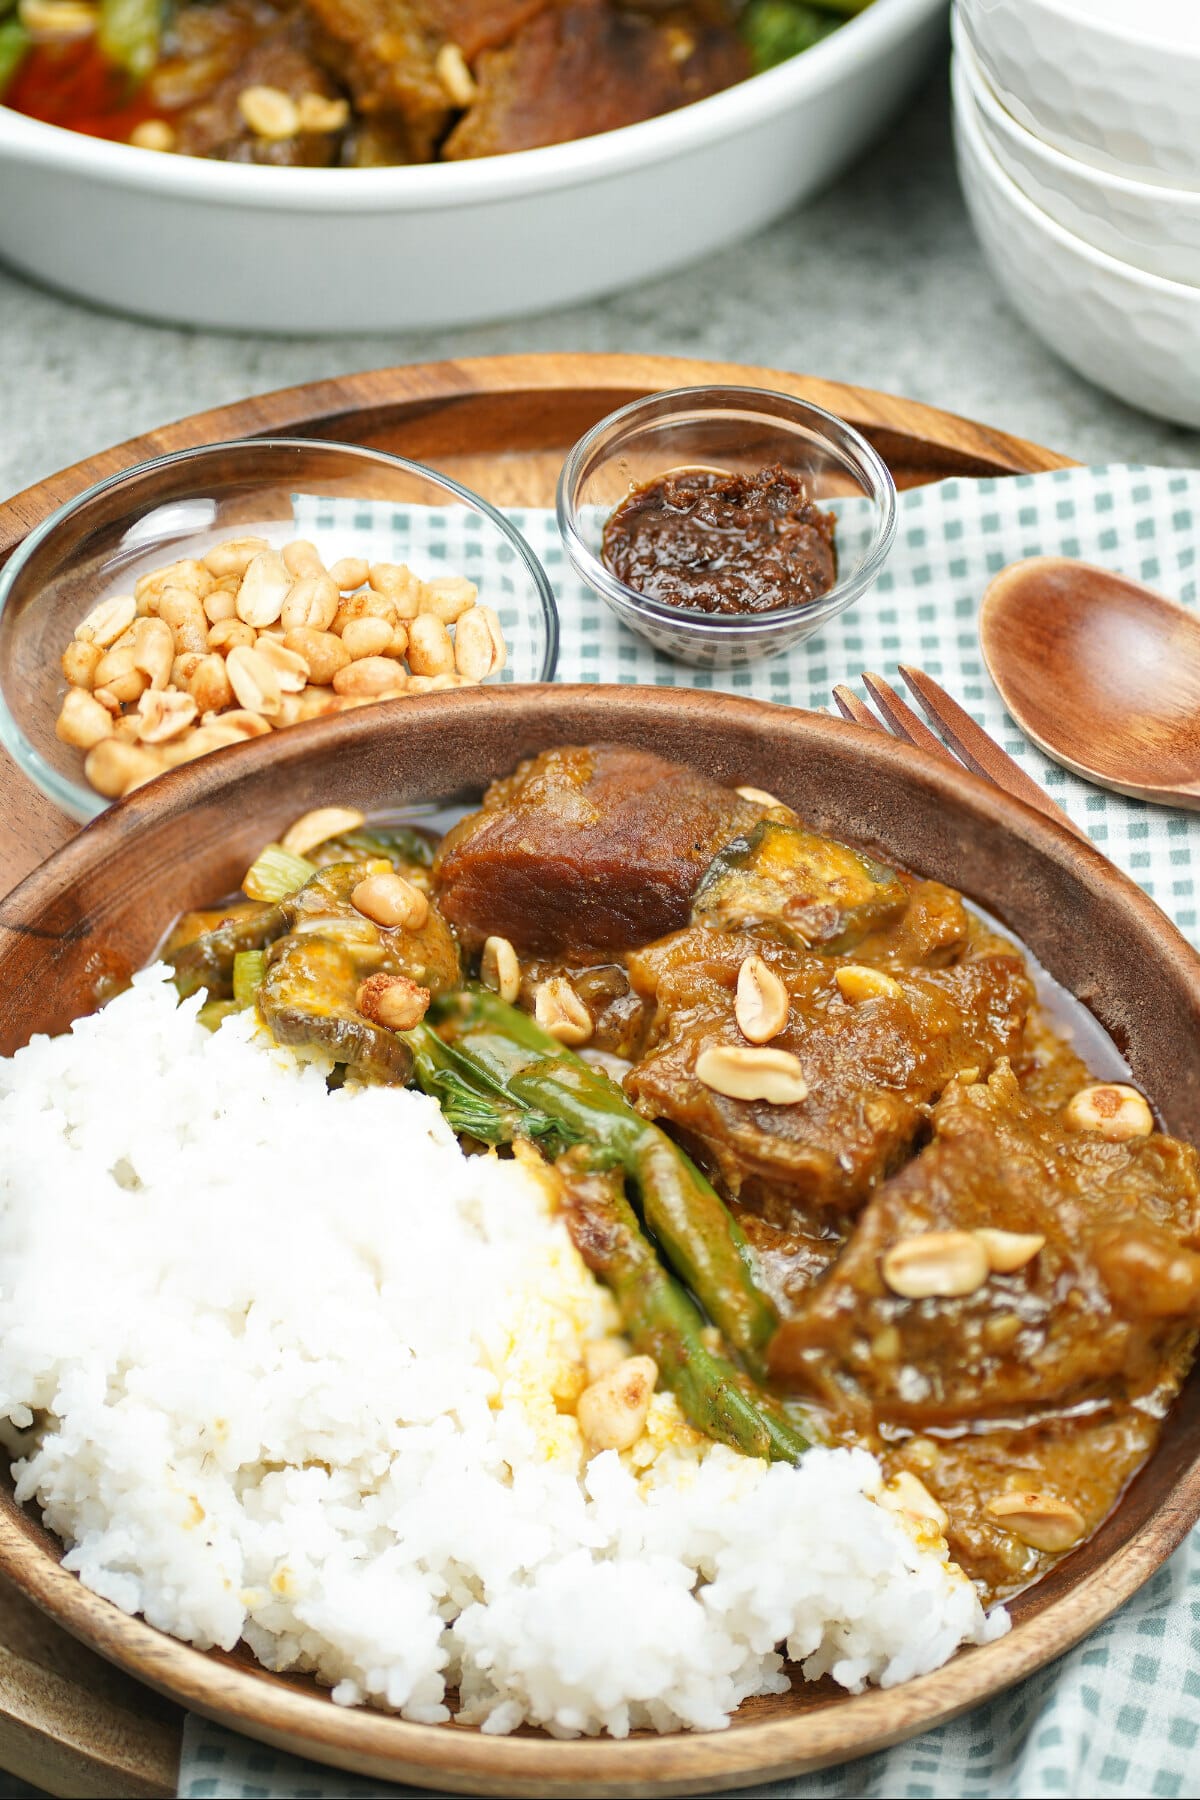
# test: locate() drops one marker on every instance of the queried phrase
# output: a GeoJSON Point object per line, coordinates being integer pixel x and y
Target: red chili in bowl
{"type": "Point", "coordinates": [717, 543]}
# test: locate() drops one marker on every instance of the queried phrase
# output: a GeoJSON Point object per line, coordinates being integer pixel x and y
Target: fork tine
{"type": "Point", "coordinates": [976, 749]}
{"type": "Point", "coordinates": [901, 717]}
{"type": "Point", "coordinates": [856, 710]}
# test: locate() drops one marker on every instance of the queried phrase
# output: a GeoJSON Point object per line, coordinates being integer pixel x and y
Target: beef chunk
{"type": "Point", "coordinates": [1096, 1311]}
{"type": "Point", "coordinates": [873, 1065]}
{"type": "Point", "coordinates": [586, 852]}
{"type": "Point", "coordinates": [585, 66]}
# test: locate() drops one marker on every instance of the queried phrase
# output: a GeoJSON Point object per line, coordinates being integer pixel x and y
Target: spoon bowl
{"type": "Point", "coordinates": [1102, 673]}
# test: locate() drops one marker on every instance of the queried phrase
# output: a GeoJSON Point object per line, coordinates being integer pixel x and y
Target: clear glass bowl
{"type": "Point", "coordinates": [736, 430]}
{"type": "Point", "coordinates": [348, 501]}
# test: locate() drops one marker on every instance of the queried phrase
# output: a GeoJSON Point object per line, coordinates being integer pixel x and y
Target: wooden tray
{"type": "Point", "coordinates": [69, 1722]}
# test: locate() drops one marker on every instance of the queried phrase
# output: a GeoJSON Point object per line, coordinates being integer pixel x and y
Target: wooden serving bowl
{"type": "Point", "coordinates": [99, 906]}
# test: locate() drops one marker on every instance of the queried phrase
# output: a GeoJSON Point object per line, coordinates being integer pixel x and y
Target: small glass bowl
{"type": "Point", "coordinates": [735, 430]}
{"type": "Point", "coordinates": [348, 501]}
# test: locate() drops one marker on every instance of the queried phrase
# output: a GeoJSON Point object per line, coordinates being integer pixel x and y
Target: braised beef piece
{"type": "Point", "coordinates": [1097, 1310]}
{"type": "Point", "coordinates": [275, 51]}
{"type": "Point", "coordinates": [585, 852]}
{"type": "Point", "coordinates": [873, 1064]}
{"type": "Point", "coordinates": [384, 53]}
{"type": "Point", "coordinates": [585, 66]}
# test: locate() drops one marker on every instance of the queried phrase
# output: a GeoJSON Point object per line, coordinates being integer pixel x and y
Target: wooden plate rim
{"type": "Point", "coordinates": [463, 1760]}
{"type": "Point", "coordinates": [349, 402]}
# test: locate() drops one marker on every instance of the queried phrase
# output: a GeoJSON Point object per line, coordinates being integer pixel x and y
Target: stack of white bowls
{"type": "Point", "coordinates": [1078, 131]}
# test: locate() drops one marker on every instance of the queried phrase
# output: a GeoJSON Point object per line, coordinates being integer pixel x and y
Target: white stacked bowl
{"type": "Point", "coordinates": [1053, 110]}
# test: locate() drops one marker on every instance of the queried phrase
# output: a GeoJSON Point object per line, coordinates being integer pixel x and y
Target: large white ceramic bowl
{"type": "Point", "coordinates": [1133, 334]}
{"type": "Point", "coordinates": [1113, 82]}
{"type": "Point", "coordinates": [1154, 228]}
{"type": "Point", "coordinates": [329, 250]}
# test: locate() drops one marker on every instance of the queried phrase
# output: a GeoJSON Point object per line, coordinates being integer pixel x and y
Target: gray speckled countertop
{"type": "Point", "coordinates": [880, 282]}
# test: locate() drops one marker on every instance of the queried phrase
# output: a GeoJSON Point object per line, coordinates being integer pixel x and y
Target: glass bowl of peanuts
{"type": "Point", "coordinates": [220, 594]}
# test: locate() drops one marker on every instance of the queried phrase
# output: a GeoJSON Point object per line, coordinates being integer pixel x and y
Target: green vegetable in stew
{"type": "Point", "coordinates": [811, 892]}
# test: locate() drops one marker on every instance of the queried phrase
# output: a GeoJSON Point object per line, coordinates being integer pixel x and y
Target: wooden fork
{"type": "Point", "coordinates": [966, 743]}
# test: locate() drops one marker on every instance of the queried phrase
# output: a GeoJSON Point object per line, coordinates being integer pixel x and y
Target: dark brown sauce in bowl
{"type": "Point", "coordinates": [720, 543]}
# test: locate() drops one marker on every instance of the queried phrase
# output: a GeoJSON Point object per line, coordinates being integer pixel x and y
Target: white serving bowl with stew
{"type": "Point", "coordinates": [254, 248]}
{"type": "Point", "coordinates": [727, 431]}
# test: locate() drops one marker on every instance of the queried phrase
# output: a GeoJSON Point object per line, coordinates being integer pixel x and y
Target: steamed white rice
{"type": "Point", "coordinates": [284, 1365]}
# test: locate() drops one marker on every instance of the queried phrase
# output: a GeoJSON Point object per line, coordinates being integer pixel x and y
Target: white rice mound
{"type": "Point", "coordinates": [283, 1364]}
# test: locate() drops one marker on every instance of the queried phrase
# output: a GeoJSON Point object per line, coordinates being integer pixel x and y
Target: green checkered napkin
{"type": "Point", "coordinates": [1119, 1715]}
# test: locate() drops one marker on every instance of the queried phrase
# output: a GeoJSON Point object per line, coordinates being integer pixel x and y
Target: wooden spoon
{"type": "Point", "coordinates": [1102, 673]}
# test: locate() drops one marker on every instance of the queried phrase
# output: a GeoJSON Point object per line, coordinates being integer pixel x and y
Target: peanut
{"type": "Point", "coordinates": [397, 583]}
{"type": "Point", "coordinates": [210, 686]}
{"type": "Point", "coordinates": [450, 66]}
{"type": "Point", "coordinates": [758, 796]}
{"type": "Point", "coordinates": [857, 983]}
{"type": "Point", "coordinates": [302, 558]}
{"type": "Point", "coordinates": [164, 716]}
{"type": "Point", "coordinates": [368, 679]}
{"type": "Point", "coordinates": [448, 597]}
{"type": "Point", "coordinates": [559, 1010]}
{"type": "Point", "coordinates": [253, 680]}
{"type": "Point", "coordinates": [114, 768]}
{"type": "Point", "coordinates": [430, 651]}
{"type": "Point", "coordinates": [500, 970]}
{"type": "Point", "coordinates": [392, 1001]}
{"type": "Point", "coordinates": [220, 605]}
{"type": "Point", "coordinates": [105, 623]}
{"type": "Point", "coordinates": [935, 1265]}
{"type": "Point", "coordinates": [323, 653]}
{"type": "Point", "coordinates": [270, 113]}
{"type": "Point", "coordinates": [227, 634]}
{"type": "Point", "coordinates": [1039, 1520]}
{"type": "Point", "coordinates": [247, 724]}
{"type": "Point", "coordinates": [79, 661]}
{"type": "Point", "coordinates": [318, 826]}
{"type": "Point", "coordinates": [367, 637]}
{"type": "Point", "coordinates": [1113, 1110]}
{"type": "Point", "coordinates": [907, 1493]}
{"type": "Point", "coordinates": [479, 649]}
{"type": "Point", "coordinates": [612, 1411]}
{"type": "Point", "coordinates": [265, 586]}
{"type": "Point", "coordinates": [311, 603]}
{"type": "Point", "coordinates": [116, 672]}
{"type": "Point", "coordinates": [1009, 1250]}
{"type": "Point", "coordinates": [388, 899]}
{"type": "Point", "coordinates": [367, 604]}
{"type": "Point", "coordinates": [82, 720]}
{"type": "Point", "coordinates": [184, 612]}
{"type": "Point", "coordinates": [772, 1075]}
{"type": "Point", "coordinates": [311, 703]}
{"type": "Point", "coordinates": [234, 556]}
{"type": "Point", "coordinates": [762, 1001]}
{"type": "Point", "coordinates": [185, 666]}
{"type": "Point", "coordinates": [291, 670]}
{"type": "Point", "coordinates": [186, 573]}
{"type": "Point", "coordinates": [349, 572]}
{"type": "Point", "coordinates": [154, 650]}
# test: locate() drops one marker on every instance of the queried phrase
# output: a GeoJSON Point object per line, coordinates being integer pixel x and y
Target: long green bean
{"type": "Point", "coordinates": [683, 1210]}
